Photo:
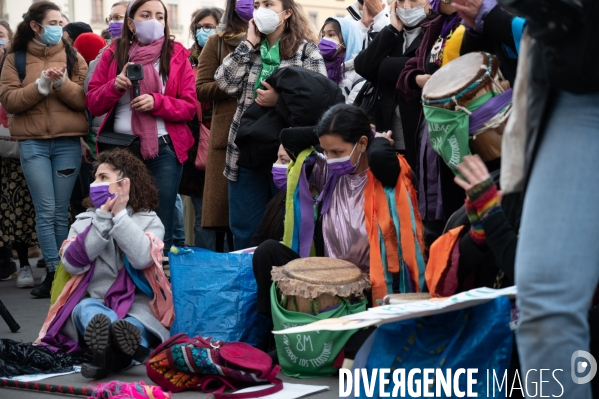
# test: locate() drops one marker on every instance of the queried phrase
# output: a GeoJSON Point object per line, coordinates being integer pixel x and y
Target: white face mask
{"type": "Point", "coordinates": [412, 17]}
{"type": "Point", "coordinates": [267, 21]}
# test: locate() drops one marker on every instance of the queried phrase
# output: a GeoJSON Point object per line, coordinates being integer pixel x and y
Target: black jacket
{"type": "Point", "coordinates": [381, 63]}
{"type": "Point", "coordinates": [480, 264]}
{"type": "Point", "coordinates": [304, 96]}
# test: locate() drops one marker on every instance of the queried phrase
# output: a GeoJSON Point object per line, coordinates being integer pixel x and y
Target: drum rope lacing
{"type": "Point", "coordinates": [472, 86]}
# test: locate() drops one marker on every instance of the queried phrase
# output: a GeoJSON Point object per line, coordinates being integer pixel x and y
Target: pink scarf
{"type": "Point", "coordinates": [144, 123]}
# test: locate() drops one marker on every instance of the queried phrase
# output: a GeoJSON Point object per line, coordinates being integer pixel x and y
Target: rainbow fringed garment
{"type": "Point", "coordinates": [395, 234]}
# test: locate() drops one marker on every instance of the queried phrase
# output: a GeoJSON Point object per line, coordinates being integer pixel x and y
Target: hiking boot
{"type": "Point", "coordinates": [127, 338]}
{"type": "Point", "coordinates": [41, 263]}
{"type": "Point", "coordinates": [25, 279]}
{"type": "Point", "coordinates": [43, 290]}
{"type": "Point", "coordinates": [8, 269]}
{"type": "Point", "coordinates": [98, 339]}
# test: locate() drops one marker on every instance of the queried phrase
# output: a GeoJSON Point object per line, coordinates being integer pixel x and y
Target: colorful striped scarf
{"type": "Point", "coordinates": [395, 234]}
{"type": "Point", "coordinates": [299, 206]}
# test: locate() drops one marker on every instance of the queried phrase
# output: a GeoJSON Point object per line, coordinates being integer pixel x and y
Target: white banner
{"type": "Point", "coordinates": [392, 313]}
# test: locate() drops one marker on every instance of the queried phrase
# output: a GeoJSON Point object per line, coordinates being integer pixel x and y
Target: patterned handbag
{"type": "Point", "coordinates": [182, 363]}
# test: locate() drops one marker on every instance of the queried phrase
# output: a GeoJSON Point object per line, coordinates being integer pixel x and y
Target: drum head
{"type": "Point", "coordinates": [327, 271]}
{"type": "Point", "coordinates": [456, 76]}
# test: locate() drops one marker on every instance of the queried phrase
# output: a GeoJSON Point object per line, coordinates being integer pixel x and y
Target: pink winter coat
{"type": "Point", "coordinates": [176, 106]}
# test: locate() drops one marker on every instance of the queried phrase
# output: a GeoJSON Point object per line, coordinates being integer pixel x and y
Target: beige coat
{"type": "Point", "coordinates": [34, 116]}
{"type": "Point", "coordinates": [215, 206]}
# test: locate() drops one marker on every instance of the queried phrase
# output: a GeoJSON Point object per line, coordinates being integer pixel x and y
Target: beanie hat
{"type": "Point", "coordinates": [89, 45]}
{"type": "Point", "coordinates": [74, 29]}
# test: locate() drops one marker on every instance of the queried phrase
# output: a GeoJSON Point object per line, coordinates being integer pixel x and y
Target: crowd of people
{"type": "Point", "coordinates": [356, 142]}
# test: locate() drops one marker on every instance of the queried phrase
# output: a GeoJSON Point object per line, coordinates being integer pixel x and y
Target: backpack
{"type": "Point", "coordinates": [182, 363]}
{"type": "Point", "coordinates": [21, 64]}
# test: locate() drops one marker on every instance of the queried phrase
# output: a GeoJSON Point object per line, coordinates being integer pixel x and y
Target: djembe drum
{"type": "Point", "coordinates": [314, 285]}
{"type": "Point", "coordinates": [461, 82]}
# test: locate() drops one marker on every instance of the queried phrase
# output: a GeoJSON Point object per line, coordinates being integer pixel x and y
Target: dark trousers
{"type": "Point", "coordinates": [268, 254]}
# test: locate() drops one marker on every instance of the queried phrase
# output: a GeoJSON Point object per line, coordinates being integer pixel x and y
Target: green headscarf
{"type": "Point", "coordinates": [271, 59]}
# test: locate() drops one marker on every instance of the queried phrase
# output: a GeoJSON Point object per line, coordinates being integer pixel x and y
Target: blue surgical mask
{"type": "Point", "coordinates": [52, 34]}
{"type": "Point", "coordinates": [202, 36]}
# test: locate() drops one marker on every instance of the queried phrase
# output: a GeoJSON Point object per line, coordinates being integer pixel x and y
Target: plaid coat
{"type": "Point", "coordinates": [237, 75]}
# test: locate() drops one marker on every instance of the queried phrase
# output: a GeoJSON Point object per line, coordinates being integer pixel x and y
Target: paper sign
{"type": "Point", "coordinates": [392, 313]}
{"type": "Point", "coordinates": [289, 391]}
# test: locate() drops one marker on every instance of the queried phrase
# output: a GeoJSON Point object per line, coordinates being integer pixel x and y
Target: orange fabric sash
{"type": "Point", "coordinates": [438, 260]}
{"type": "Point", "coordinates": [378, 217]}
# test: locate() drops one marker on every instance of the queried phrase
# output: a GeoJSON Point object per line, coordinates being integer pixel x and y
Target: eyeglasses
{"type": "Point", "coordinates": [206, 28]}
{"type": "Point", "coordinates": [114, 18]}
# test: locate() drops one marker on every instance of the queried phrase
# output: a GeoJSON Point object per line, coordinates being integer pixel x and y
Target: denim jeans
{"type": "Point", "coordinates": [248, 197]}
{"type": "Point", "coordinates": [178, 226]}
{"type": "Point", "coordinates": [89, 307]}
{"type": "Point", "coordinates": [166, 170]}
{"type": "Point", "coordinates": [557, 261]}
{"type": "Point", "coordinates": [51, 168]}
{"type": "Point", "coordinates": [203, 238]}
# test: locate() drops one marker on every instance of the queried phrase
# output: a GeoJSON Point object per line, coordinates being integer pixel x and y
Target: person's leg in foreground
{"type": "Point", "coordinates": [557, 263]}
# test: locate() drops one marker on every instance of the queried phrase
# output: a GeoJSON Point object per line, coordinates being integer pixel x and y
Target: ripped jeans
{"type": "Point", "coordinates": [51, 168]}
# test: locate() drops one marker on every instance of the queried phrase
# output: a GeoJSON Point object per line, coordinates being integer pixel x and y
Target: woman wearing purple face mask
{"type": "Point", "coordinates": [358, 169]}
{"type": "Point", "coordinates": [109, 246]}
{"type": "Point", "coordinates": [155, 122]}
{"type": "Point", "coordinates": [116, 19]}
{"type": "Point", "coordinates": [339, 44]}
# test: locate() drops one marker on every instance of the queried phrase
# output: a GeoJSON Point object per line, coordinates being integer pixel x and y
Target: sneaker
{"type": "Point", "coordinates": [25, 279]}
{"type": "Point", "coordinates": [43, 290]}
{"type": "Point", "coordinates": [8, 270]}
{"type": "Point", "coordinates": [41, 263]}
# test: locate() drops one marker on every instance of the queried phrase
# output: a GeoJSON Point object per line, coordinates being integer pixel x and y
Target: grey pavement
{"type": "Point", "coordinates": [30, 313]}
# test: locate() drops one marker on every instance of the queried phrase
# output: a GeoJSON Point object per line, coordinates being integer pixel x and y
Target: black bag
{"type": "Point", "coordinates": [366, 99]}
{"type": "Point", "coordinates": [110, 140]}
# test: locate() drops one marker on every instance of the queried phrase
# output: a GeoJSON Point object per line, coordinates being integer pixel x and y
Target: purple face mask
{"type": "Point", "coordinates": [147, 32]}
{"type": "Point", "coordinates": [245, 9]}
{"type": "Point", "coordinates": [328, 48]}
{"type": "Point", "coordinates": [99, 193]}
{"type": "Point", "coordinates": [279, 176]}
{"type": "Point", "coordinates": [115, 28]}
{"type": "Point", "coordinates": [343, 166]}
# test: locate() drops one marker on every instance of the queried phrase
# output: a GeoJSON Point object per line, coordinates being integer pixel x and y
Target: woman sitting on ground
{"type": "Point", "coordinates": [356, 187]}
{"type": "Point", "coordinates": [111, 248]}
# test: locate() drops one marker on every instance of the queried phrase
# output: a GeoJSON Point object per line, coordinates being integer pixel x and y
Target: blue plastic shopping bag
{"type": "Point", "coordinates": [215, 296]}
{"type": "Point", "coordinates": [474, 338]}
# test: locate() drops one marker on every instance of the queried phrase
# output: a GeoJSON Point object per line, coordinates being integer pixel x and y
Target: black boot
{"type": "Point", "coordinates": [98, 338]}
{"type": "Point", "coordinates": [127, 338]}
{"type": "Point", "coordinates": [43, 290]}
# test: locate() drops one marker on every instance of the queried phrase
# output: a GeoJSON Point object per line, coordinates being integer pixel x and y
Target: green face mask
{"type": "Point", "coordinates": [449, 131]}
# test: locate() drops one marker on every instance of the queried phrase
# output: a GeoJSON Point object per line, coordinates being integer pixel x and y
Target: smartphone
{"type": "Point", "coordinates": [135, 72]}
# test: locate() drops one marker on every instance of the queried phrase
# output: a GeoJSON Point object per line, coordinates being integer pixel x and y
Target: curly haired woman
{"type": "Point", "coordinates": [111, 245]}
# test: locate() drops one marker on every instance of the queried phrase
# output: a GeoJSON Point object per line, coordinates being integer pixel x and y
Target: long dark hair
{"type": "Point", "coordinates": [214, 12]}
{"type": "Point", "coordinates": [24, 34]}
{"type": "Point", "coordinates": [123, 43]}
{"type": "Point", "coordinates": [297, 29]}
{"type": "Point", "coordinates": [346, 121]}
{"type": "Point", "coordinates": [143, 194]}
{"type": "Point", "coordinates": [234, 24]}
